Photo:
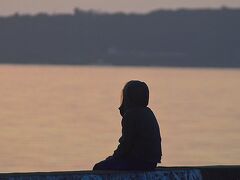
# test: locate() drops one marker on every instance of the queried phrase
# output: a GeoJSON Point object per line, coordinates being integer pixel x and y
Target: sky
{"type": "Point", "coordinates": [8, 7]}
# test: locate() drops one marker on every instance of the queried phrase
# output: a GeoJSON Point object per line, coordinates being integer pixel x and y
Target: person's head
{"type": "Point", "coordinates": [134, 94]}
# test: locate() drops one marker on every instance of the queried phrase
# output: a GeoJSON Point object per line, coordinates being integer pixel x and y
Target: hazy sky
{"type": "Point", "coordinates": [55, 6]}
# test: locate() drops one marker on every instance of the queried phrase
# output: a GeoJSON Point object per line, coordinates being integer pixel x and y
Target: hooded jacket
{"type": "Point", "coordinates": [140, 138]}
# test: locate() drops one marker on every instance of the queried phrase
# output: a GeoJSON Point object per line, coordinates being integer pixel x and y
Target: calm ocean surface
{"type": "Point", "coordinates": [66, 117]}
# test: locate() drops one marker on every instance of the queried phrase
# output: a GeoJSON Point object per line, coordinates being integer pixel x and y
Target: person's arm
{"type": "Point", "coordinates": [127, 138]}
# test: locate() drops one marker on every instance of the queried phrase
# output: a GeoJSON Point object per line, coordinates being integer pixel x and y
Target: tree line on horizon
{"type": "Point", "coordinates": [194, 38]}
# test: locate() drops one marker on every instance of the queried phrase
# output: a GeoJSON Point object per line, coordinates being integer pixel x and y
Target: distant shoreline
{"type": "Point", "coordinates": [100, 12]}
{"type": "Point", "coordinates": [114, 66]}
{"type": "Point", "coordinates": [164, 38]}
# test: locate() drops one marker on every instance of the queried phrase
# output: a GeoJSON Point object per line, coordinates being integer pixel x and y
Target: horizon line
{"type": "Point", "coordinates": [96, 11]}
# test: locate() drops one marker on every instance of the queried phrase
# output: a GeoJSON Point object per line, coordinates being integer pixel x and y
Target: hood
{"type": "Point", "coordinates": [135, 94]}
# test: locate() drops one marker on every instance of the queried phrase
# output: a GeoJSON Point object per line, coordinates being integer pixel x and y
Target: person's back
{"type": "Point", "coordinates": [143, 136]}
{"type": "Point", "coordinates": [140, 144]}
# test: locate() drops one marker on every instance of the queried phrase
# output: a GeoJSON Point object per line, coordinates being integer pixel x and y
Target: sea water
{"type": "Point", "coordinates": [66, 117]}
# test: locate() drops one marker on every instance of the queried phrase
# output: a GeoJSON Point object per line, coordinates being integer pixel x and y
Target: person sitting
{"type": "Point", "coordinates": [140, 144]}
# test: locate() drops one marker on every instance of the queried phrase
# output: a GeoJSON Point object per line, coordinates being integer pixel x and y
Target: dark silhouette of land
{"type": "Point", "coordinates": [195, 38]}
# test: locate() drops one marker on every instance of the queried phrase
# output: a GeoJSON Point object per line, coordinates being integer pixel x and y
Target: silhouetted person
{"type": "Point", "coordinates": [140, 144]}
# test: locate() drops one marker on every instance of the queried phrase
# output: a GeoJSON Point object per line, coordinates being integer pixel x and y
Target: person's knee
{"type": "Point", "coordinates": [97, 166]}
{"type": "Point", "coordinates": [100, 166]}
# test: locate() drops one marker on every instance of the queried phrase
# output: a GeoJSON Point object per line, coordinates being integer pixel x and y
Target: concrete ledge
{"type": "Point", "coordinates": [161, 173]}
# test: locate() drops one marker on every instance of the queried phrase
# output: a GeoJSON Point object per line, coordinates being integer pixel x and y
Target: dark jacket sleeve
{"type": "Point", "coordinates": [127, 138]}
